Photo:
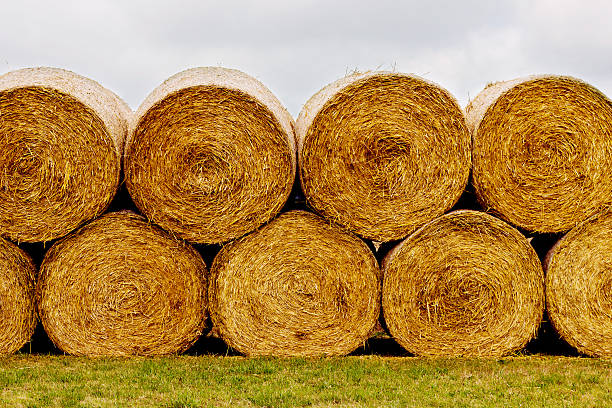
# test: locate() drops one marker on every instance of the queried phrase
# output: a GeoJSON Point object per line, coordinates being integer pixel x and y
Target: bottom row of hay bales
{"type": "Point", "coordinates": [466, 284]}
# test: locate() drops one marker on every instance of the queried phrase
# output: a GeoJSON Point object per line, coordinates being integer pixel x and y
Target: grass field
{"type": "Point", "coordinates": [189, 381]}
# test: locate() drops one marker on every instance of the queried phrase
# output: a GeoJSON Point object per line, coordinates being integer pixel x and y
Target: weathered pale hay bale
{"type": "Point", "coordinates": [17, 306]}
{"type": "Point", "coordinates": [211, 155]}
{"type": "Point", "coordinates": [61, 141]}
{"type": "Point", "coordinates": [296, 287]}
{"type": "Point", "coordinates": [541, 151]}
{"type": "Point", "coordinates": [382, 153]}
{"type": "Point", "coordinates": [579, 286]}
{"type": "Point", "coordinates": [465, 284]}
{"type": "Point", "coordinates": [120, 286]}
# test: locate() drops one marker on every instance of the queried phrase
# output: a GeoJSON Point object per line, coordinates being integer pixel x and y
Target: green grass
{"type": "Point", "coordinates": [188, 381]}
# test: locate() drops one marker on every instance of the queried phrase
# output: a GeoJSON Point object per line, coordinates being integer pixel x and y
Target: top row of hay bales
{"type": "Point", "coordinates": [210, 155]}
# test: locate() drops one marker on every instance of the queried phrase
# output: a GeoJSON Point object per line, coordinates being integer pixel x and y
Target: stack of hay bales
{"type": "Point", "coordinates": [210, 158]}
{"type": "Point", "coordinates": [382, 153]}
{"type": "Point", "coordinates": [542, 160]}
{"type": "Point", "coordinates": [61, 143]}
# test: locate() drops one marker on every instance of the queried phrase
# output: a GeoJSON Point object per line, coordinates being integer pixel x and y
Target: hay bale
{"type": "Point", "coordinates": [297, 287]}
{"type": "Point", "coordinates": [17, 306]}
{"type": "Point", "coordinates": [120, 286]}
{"type": "Point", "coordinates": [541, 151]}
{"type": "Point", "coordinates": [465, 284]}
{"type": "Point", "coordinates": [61, 138]}
{"type": "Point", "coordinates": [382, 153]}
{"type": "Point", "coordinates": [579, 286]}
{"type": "Point", "coordinates": [211, 155]}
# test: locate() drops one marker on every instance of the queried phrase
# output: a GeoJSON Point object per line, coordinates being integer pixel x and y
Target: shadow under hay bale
{"type": "Point", "coordinates": [543, 243]}
{"type": "Point", "coordinates": [297, 200]}
{"type": "Point", "coordinates": [210, 345]}
{"type": "Point", "coordinates": [62, 142]}
{"type": "Point", "coordinates": [36, 251]}
{"type": "Point", "coordinates": [541, 151]}
{"type": "Point", "coordinates": [548, 341]}
{"type": "Point", "coordinates": [384, 346]}
{"type": "Point", "coordinates": [382, 153]}
{"type": "Point", "coordinates": [120, 286]}
{"type": "Point", "coordinates": [465, 284]}
{"type": "Point", "coordinates": [211, 155]}
{"type": "Point", "coordinates": [122, 200]}
{"type": "Point", "coordinates": [299, 286]}
{"type": "Point", "coordinates": [468, 200]}
{"type": "Point", "coordinates": [40, 343]}
{"type": "Point", "coordinates": [579, 286]}
{"type": "Point", "coordinates": [17, 305]}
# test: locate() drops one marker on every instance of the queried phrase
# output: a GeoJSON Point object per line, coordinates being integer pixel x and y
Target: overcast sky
{"type": "Point", "coordinates": [296, 47]}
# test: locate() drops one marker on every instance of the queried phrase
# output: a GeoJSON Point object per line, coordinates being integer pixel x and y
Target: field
{"type": "Point", "coordinates": [355, 381]}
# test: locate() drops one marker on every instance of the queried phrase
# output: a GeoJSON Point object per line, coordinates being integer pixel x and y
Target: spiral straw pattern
{"type": "Point", "coordinates": [17, 305]}
{"type": "Point", "coordinates": [211, 155]}
{"type": "Point", "coordinates": [61, 141]}
{"type": "Point", "coordinates": [297, 287]}
{"type": "Point", "coordinates": [579, 286]}
{"type": "Point", "coordinates": [120, 286]}
{"type": "Point", "coordinates": [465, 284]}
{"type": "Point", "coordinates": [382, 153]}
{"type": "Point", "coordinates": [541, 151]}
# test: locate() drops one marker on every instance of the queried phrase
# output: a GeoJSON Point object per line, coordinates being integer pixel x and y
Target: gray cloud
{"type": "Point", "coordinates": [296, 47]}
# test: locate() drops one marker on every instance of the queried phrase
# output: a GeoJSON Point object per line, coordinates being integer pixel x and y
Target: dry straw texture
{"type": "Point", "coordinates": [541, 151]}
{"type": "Point", "coordinates": [119, 286]}
{"type": "Point", "coordinates": [297, 287]}
{"type": "Point", "coordinates": [61, 138]}
{"type": "Point", "coordinates": [579, 286]}
{"type": "Point", "coordinates": [382, 153]}
{"type": "Point", "coordinates": [17, 307]}
{"type": "Point", "coordinates": [211, 155]}
{"type": "Point", "coordinates": [466, 284]}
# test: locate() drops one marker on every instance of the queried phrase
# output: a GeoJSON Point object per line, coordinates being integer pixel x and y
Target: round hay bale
{"type": "Point", "coordinates": [61, 141]}
{"type": "Point", "coordinates": [382, 153]}
{"type": "Point", "coordinates": [579, 286]}
{"type": "Point", "coordinates": [120, 286]}
{"type": "Point", "coordinates": [297, 287]}
{"type": "Point", "coordinates": [17, 306]}
{"type": "Point", "coordinates": [211, 155]}
{"type": "Point", "coordinates": [465, 284]}
{"type": "Point", "coordinates": [541, 151]}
